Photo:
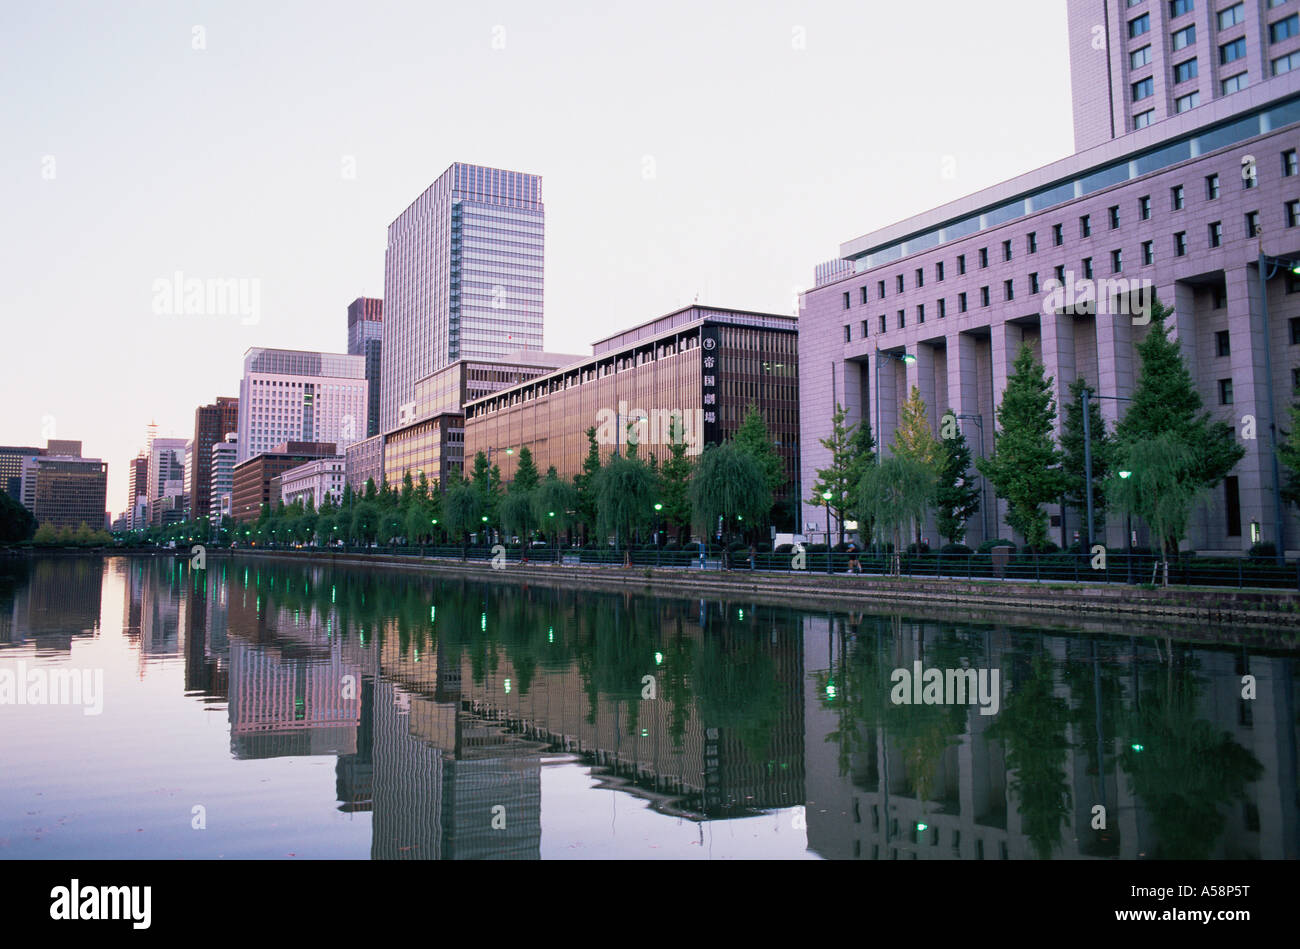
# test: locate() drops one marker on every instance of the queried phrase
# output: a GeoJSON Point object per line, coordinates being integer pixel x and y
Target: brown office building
{"type": "Point", "coordinates": [211, 423]}
{"type": "Point", "coordinates": [252, 478]}
{"type": "Point", "coordinates": [700, 365]}
{"type": "Point", "coordinates": [12, 459]}
{"type": "Point", "coordinates": [66, 490]}
{"type": "Point", "coordinates": [431, 433]}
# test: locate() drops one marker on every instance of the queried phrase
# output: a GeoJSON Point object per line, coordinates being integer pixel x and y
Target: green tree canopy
{"type": "Point", "coordinates": [729, 483]}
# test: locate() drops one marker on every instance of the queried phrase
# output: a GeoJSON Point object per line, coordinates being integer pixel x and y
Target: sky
{"type": "Point", "coordinates": [711, 150]}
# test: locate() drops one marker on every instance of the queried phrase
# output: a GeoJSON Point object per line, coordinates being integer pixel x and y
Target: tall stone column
{"type": "Point", "coordinates": [963, 399]}
{"type": "Point", "coordinates": [1057, 331]}
{"type": "Point", "coordinates": [1249, 409]}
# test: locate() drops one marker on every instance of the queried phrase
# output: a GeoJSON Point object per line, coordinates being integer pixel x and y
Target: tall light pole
{"type": "Point", "coordinates": [1085, 396]}
{"type": "Point", "coordinates": [1268, 267]}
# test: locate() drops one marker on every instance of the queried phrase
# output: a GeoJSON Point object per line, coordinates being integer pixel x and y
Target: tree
{"type": "Point", "coordinates": [1288, 451]}
{"type": "Point", "coordinates": [753, 438]}
{"type": "Point", "coordinates": [624, 492]}
{"type": "Point", "coordinates": [585, 483]}
{"type": "Point", "coordinates": [517, 513]}
{"type": "Point", "coordinates": [417, 524]}
{"type": "Point", "coordinates": [730, 484]}
{"type": "Point", "coordinates": [1072, 461]}
{"type": "Point", "coordinates": [1161, 488]}
{"type": "Point", "coordinates": [1165, 400]}
{"type": "Point", "coordinates": [1025, 467]}
{"type": "Point", "coordinates": [16, 522]}
{"type": "Point", "coordinates": [526, 477]}
{"type": "Point", "coordinates": [957, 495]}
{"type": "Point", "coordinates": [463, 506]}
{"type": "Point", "coordinates": [914, 438]}
{"type": "Point", "coordinates": [675, 480]}
{"type": "Point", "coordinates": [835, 478]}
{"type": "Point", "coordinates": [896, 495]}
{"type": "Point", "coordinates": [554, 503]}
{"type": "Point", "coordinates": [862, 456]}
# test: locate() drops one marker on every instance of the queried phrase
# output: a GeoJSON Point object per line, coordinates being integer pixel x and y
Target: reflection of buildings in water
{"type": "Point", "coordinates": [57, 602]}
{"type": "Point", "coordinates": [865, 807]}
{"type": "Point", "coordinates": [207, 650]}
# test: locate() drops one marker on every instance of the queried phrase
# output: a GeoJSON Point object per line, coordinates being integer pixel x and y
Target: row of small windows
{"type": "Point", "coordinates": [1227, 18]}
{"type": "Point", "coordinates": [1177, 202]}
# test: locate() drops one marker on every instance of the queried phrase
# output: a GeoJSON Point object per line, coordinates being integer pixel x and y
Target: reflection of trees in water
{"type": "Point", "coordinates": [1183, 768]}
{"type": "Point", "coordinates": [736, 689]}
{"type": "Point", "coordinates": [616, 649]}
{"type": "Point", "coordinates": [1033, 725]}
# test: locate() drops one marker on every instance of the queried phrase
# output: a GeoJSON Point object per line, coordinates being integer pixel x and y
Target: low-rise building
{"type": "Point", "coordinates": [252, 478]}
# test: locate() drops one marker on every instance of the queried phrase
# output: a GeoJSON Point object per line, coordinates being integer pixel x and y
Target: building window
{"type": "Point", "coordinates": [1290, 163]}
{"type": "Point", "coordinates": [1006, 250]}
{"type": "Point", "coordinates": [1212, 187]}
{"type": "Point", "coordinates": [943, 308]}
{"type": "Point", "coordinates": [898, 282]}
{"type": "Point", "coordinates": [1292, 213]}
{"type": "Point", "coordinates": [1252, 223]}
{"type": "Point", "coordinates": [920, 313]}
{"type": "Point", "coordinates": [984, 296]}
{"type": "Point", "coordinates": [862, 295]}
{"type": "Point", "coordinates": [1187, 102]}
{"type": "Point", "coordinates": [1008, 290]}
{"type": "Point", "coordinates": [902, 319]}
{"type": "Point", "coordinates": [1186, 70]}
{"type": "Point", "coordinates": [1234, 84]}
{"type": "Point", "coordinates": [920, 277]}
{"type": "Point", "coordinates": [1139, 25]}
{"type": "Point", "coordinates": [1143, 119]}
{"type": "Point", "coordinates": [1148, 253]}
{"type": "Point", "coordinates": [1184, 38]}
{"type": "Point", "coordinates": [1295, 381]}
{"type": "Point", "coordinates": [1116, 261]}
{"type": "Point", "coordinates": [1140, 57]}
{"type": "Point", "coordinates": [1231, 52]}
{"type": "Point", "coordinates": [1232, 16]}
{"type": "Point", "coordinates": [1180, 244]}
{"type": "Point", "coordinates": [1058, 234]}
{"type": "Point", "coordinates": [1033, 282]}
{"type": "Point", "coordinates": [882, 323]}
{"type": "Point", "coordinates": [1060, 273]}
{"type": "Point", "coordinates": [1087, 268]}
{"type": "Point", "coordinates": [1284, 29]}
{"type": "Point", "coordinates": [1295, 330]}
{"type": "Point", "coordinates": [1284, 64]}
{"type": "Point", "coordinates": [1225, 392]}
{"type": "Point", "coordinates": [846, 300]}
{"type": "Point", "coordinates": [848, 334]}
{"type": "Point", "coordinates": [938, 271]}
{"type": "Point", "coordinates": [961, 263]}
{"type": "Point", "coordinates": [1143, 88]}
{"type": "Point", "coordinates": [1176, 200]}
{"type": "Point", "coordinates": [1144, 207]}
{"type": "Point", "coordinates": [1222, 344]}
{"type": "Point", "coordinates": [961, 303]}
{"type": "Point", "coordinates": [984, 257]}
{"type": "Point", "coordinates": [1085, 226]}
{"type": "Point", "coordinates": [1114, 217]}
{"type": "Point", "coordinates": [880, 289]}
{"type": "Point", "coordinates": [1232, 505]}
{"type": "Point", "coordinates": [1031, 242]}
{"type": "Point", "coordinates": [865, 328]}
{"type": "Point", "coordinates": [1216, 233]}
{"type": "Point", "coordinates": [1179, 7]}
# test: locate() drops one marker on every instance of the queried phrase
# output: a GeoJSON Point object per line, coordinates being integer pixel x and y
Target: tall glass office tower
{"type": "Point", "coordinates": [462, 278]}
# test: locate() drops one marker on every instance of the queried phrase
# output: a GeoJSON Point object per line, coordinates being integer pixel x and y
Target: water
{"type": "Point", "coordinates": [294, 711]}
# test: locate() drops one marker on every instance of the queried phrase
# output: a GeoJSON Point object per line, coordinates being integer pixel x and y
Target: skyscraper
{"type": "Point", "coordinates": [365, 338]}
{"type": "Point", "coordinates": [291, 395]}
{"type": "Point", "coordinates": [211, 423]}
{"type": "Point", "coordinates": [462, 278]}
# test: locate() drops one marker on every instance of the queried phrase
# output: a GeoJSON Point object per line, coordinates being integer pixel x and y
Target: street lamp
{"type": "Point", "coordinates": [1276, 263]}
{"type": "Point", "coordinates": [826, 497]}
{"type": "Point", "coordinates": [882, 357]}
{"type": "Point", "coordinates": [1086, 395]}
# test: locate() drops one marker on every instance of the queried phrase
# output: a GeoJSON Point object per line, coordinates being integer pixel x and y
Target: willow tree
{"type": "Point", "coordinates": [895, 495]}
{"type": "Point", "coordinates": [624, 491]}
{"type": "Point", "coordinates": [1161, 487]}
{"type": "Point", "coordinates": [555, 504]}
{"type": "Point", "coordinates": [464, 508]}
{"type": "Point", "coordinates": [729, 483]}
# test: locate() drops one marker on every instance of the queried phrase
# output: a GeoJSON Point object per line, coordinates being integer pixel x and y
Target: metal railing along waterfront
{"type": "Point", "coordinates": [1137, 569]}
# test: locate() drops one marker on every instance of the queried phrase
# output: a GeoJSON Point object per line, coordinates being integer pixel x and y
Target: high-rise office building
{"type": "Point", "coordinates": [211, 423]}
{"type": "Point", "coordinates": [12, 460]}
{"type": "Point", "coordinates": [63, 489]}
{"type": "Point", "coordinates": [1060, 258]}
{"type": "Point", "coordinates": [1133, 64]}
{"type": "Point", "coordinates": [166, 480]}
{"type": "Point", "coordinates": [137, 508]}
{"type": "Point", "coordinates": [291, 395]}
{"type": "Point", "coordinates": [365, 338]}
{"type": "Point", "coordinates": [462, 278]}
{"type": "Point", "coordinates": [223, 456]}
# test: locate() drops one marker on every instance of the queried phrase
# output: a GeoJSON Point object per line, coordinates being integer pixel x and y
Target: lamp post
{"type": "Point", "coordinates": [882, 357]}
{"type": "Point", "coordinates": [1085, 396]}
{"type": "Point", "coordinates": [1268, 267]}
{"type": "Point", "coordinates": [826, 498]}
{"type": "Point", "coordinates": [488, 452]}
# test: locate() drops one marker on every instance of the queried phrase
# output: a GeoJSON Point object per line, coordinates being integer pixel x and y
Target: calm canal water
{"type": "Point", "coordinates": [294, 711]}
